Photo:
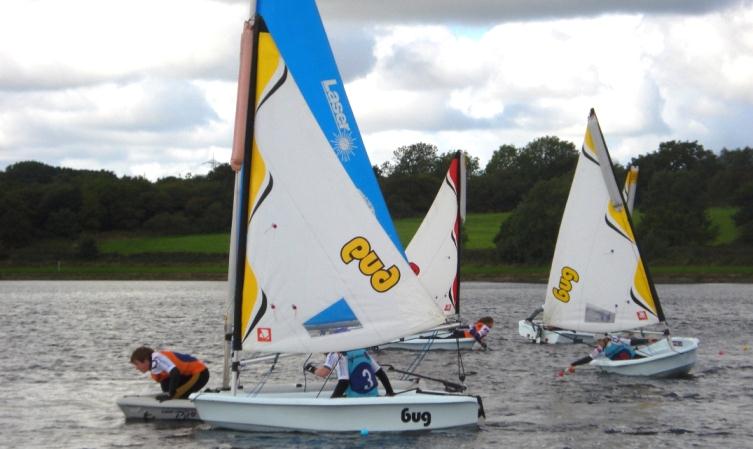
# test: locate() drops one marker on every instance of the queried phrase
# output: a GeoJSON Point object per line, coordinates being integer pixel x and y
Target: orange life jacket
{"type": "Point", "coordinates": [477, 327]}
{"type": "Point", "coordinates": [187, 365]}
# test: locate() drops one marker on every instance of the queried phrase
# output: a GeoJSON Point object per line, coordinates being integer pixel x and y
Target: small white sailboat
{"type": "Point", "coordinates": [599, 283]}
{"type": "Point", "coordinates": [434, 255]}
{"type": "Point", "coordinates": [146, 407]}
{"type": "Point", "coordinates": [538, 331]}
{"type": "Point", "coordinates": [319, 266]}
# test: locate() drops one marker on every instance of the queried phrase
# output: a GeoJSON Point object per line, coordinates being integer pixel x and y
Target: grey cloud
{"type": "Point", "coordinates": [170, 115]}
{"type": "Point", "coordinates": [495, 11]}
{"type": "Point", "coordinates": [353, 49]}
{"type": "Point", "coordinates": [170, 105]}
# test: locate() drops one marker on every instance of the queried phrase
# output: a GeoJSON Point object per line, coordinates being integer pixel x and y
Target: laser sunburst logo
{"type": "Point", "coordinates": [342, 140]}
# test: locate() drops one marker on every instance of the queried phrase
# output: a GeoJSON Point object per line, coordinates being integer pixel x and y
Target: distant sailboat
{"type": "Point", "coordinates": [434, 255]}
{"type": "Point", "coordinates": [318, 265]}
{"type": "Point", "coordinates": [538, 331]}
{"type": "Point", "coordinates": [599, 282]}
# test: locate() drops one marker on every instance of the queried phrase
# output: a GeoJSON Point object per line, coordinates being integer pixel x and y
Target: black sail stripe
{"type": "Point", "coordinates": [616, 229]}
{"type": "Point", "coordinates": [588, 156]}
{"type": "Point", "coordinates": [640, 303]}
{"type": "Point", "coordinates": [277, 85]}
{"type": "Point", "coordinates": [262, 311]}
{"type": "Point", "coordinates": [263, 196]}
{"type": "Point", "coordinates": [449, 183]}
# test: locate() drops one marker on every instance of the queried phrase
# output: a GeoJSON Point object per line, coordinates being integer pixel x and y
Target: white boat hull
{"type": "Point", "coordinates": [422, 343]}
{"type": "Point", "coordinates": [536, 332]}
{"type": "Point", "coordinates": [146, 407]}
{"type": "Point", "coordinates": [659, 360]}
{"type": "Point", "coordinates": [304, 412]}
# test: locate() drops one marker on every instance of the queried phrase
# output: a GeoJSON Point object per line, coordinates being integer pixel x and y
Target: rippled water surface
{"type": "Point", "coordinates": [66, 346]}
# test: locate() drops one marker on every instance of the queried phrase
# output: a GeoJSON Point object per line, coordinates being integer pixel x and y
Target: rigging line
{"type": "Point", "coordinates": [264, 377]}
{"type": "Point", "coordinates": [461, 368]}
{"type": "Point", "coordinates": [446, 383]}
{"type": "Point", "coordinates": [422, 354]}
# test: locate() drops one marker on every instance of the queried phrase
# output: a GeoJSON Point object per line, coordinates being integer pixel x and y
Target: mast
{"type": "Point", "coordinates": [460, 215]}
{"type": "Point", "coordinates": [232, 253]}
{"type": "Point", "coordinates": [619, 202]}
{"type": "Point", "coordinates": [244, 193]}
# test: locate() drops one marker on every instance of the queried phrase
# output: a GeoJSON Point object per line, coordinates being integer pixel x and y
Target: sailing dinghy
{"type": "Point", "coordinates": [319, 266]}
{"type": "Point", "coordinates": [434, 255]}
{"type": "Point", "coordinates": [599, 283]}
{"type": "Point", "coordinates": [538, 331]}
{"type": "Point", "coordinates": [146, 407]}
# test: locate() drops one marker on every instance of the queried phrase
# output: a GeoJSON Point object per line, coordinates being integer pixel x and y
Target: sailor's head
{"type": "Point", "coordinates": [603, 341]}
{"type": "Point", "coordinates": [489, 321]}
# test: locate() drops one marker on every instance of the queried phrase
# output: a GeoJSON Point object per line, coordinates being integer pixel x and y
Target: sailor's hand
{"type": "Point", "coordinates": [570, 369]}
{"type": "Point", "coordinates": [162, 397]}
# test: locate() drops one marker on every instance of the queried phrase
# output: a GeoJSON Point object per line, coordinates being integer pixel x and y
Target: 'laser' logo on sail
{"type": "Point", "coordinates": [370, 264]}
{"type": "Point", "coordinates": [342, 140]}
{"type": "Point", "coordinates": [568, 277]}
{"type": "Point", "coordinates": [338, 112]}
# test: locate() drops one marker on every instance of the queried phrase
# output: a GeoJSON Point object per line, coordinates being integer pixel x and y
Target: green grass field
{"type": "Point", "coordinates": [722, 218]}
{"type": "Point", "coordinates": [199, 243]}
{"type": "Point", "coordinates": [480, 228]}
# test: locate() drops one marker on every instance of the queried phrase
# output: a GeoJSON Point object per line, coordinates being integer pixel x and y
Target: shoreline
{"type": "Point", "coordinates": [193, 275]}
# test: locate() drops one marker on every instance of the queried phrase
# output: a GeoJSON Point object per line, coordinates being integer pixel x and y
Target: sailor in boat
{"type": "Point", "coordinates": [479, 330]}
{"type": "Point", "coordinates": [613, 348]}
{"type": "Point", "coordinates": [357, 374]}
{"type": "Point", "coordinates": [178, 374]}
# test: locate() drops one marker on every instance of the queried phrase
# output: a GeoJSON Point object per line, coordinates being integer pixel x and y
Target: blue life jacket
{"type": "Point", "coordinates": [362, 377]}
{"type": "Point", "coordinates": [613, 350]}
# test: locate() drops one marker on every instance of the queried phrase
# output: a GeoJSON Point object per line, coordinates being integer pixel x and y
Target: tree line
{"type": "Point", "coordinates": [677, 184]}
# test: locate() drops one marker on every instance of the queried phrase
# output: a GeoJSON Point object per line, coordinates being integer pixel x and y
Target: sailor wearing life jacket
{"type": "Point", "coordinates": [613, 348]}
{"type": "Point", "coordinates": [478, 331]}
{"type": "Point", "coordinates": [178, 374]}
{"type": "Point", "coordinates": [357, 374]}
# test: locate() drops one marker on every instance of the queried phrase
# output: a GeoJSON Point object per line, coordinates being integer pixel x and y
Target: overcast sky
{"type": "Point", "coordinates": [147, 87]}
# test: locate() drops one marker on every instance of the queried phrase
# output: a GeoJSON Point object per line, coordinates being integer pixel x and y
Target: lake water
{"type": "Point", "coordinates": [66, 348]}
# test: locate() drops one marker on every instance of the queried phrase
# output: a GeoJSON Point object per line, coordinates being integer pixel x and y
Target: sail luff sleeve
{"type": "Point", "coordinates": [245, 188]}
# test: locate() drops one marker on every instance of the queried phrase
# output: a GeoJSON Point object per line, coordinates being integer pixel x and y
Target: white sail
{"type": "Point", "coordinates": [597, 281]}
{"type": "Point", "coordinates": [322, 272]}
{"type": "Point", "coordinates": [434, 249]}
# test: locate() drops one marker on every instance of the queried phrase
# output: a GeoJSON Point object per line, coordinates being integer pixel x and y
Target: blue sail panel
{"type": "Point", "coordinates": [338, 317]}
{"type": "Point", "coordinates": [298, 32]}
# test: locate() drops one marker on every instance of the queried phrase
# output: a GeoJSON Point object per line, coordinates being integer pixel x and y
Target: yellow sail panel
{"type": "Point", "coordinates": [620, 220]}
{"type": "Point", "coordinates": [268, 61]}
{"type": "Point", "coordinates": [588, 144]}
{"type": "Point", "coordinates": [631, 178]}
{"type": "Point", "coordinates": [251, 295]}
{"type": "Point", "coordinates": [642, 288]}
